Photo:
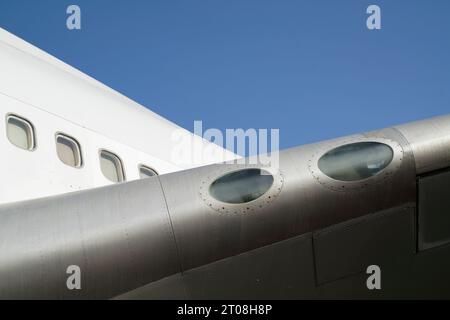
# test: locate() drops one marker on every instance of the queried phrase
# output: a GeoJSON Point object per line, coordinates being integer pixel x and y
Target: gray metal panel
{"type": "Point", "coordinates": [284, 270]}
{"type": "Point", "coordinates": [422, 275]}
{"type": "Point", "coordinates": [170, 288]}
{"type": "Point", "coordinates": [304, 205]}
{"type": "Point", "coordinates": [120, 236]}
{"type": "Point", "coordinates": [430, 142]}
{"type": "Point", "coordinates": [434, 210]}
{"type": "Point", "coordinates": [397, 281]}
{"type": "Point", "coordinates": [352, 246]}
{"type": "Point", "coordinates": [428, 275]}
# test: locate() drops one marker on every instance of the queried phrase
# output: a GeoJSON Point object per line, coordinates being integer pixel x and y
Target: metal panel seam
{"type": "Point", "coordinates": [408, 145]}
{"type": "Point", "coordinates": [171, 226]}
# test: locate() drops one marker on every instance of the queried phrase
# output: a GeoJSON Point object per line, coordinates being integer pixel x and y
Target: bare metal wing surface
{"type": "Point", "coordinates": [308, 228]}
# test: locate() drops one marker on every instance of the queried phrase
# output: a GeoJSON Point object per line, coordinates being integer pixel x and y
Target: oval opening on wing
{"type": "Point", "coordinates": [241, 186]}
{"type": "Point", "coordinates": [356, 161]}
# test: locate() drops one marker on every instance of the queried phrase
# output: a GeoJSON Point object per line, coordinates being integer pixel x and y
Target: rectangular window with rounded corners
{"type": "Point", "coordinates": [146, 172]}
{"type": "Point", "coordinates": [69, 151]}
{"type": "Point", "coordinates": [111, 166]}
{"type": "Point", "coordinates": [20, 132]}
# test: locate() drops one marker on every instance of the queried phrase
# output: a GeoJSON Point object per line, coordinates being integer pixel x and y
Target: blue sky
{"type": "Point", "coordinates": [309, 68]}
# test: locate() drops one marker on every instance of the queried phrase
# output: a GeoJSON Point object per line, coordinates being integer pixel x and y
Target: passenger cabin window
{"type": "Point", "coordinates": [241, 186]}
{"type": "Point", "coordinates": [20, 132]}
{"type": "Point", "coordinates": [356, 161]}
{"type": "Point", "coordinates": [69, 151]}
{"type": "Point", "coordinates": [146, 172]}
{"type": "Point", "coordinates": [111, 166]}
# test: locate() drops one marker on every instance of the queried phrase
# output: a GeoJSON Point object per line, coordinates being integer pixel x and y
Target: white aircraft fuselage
{"type": "Point", "coordinates": [58, 99]}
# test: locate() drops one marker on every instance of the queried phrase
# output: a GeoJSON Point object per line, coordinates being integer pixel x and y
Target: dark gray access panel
{"type": "Point", "coordinates": [349, 248]}
{"type": "Point", "coordinates": [283, 270]}
{"type": "Point", "coordinates": [434, 210]}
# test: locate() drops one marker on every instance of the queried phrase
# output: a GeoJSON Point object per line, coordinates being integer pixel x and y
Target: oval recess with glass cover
{"type": "Point", "coordinates": [241, 186]}
{"type": "Point", "coordinates": [356, 161]}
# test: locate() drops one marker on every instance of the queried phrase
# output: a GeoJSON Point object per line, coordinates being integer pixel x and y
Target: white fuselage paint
{"type": "Point", "coordinates": [57, 98]}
